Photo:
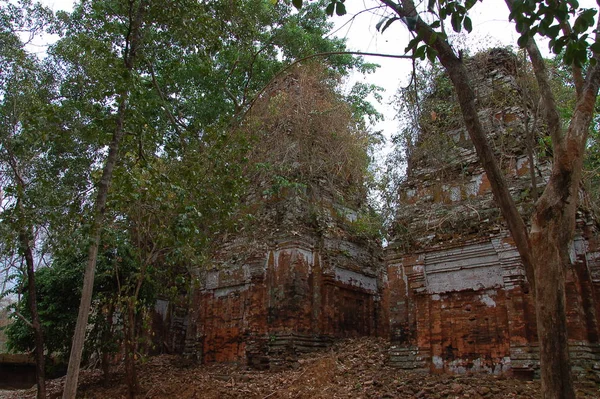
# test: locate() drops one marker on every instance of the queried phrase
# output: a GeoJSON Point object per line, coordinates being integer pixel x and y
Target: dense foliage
{"type": "Point", "coordinates": [165, 87]}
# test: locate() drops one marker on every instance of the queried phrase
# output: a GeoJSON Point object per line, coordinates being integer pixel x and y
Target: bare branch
{"type": "Point", "coordinates": [575, 70]}
{"type": "Point", "coordinates": [174, 121]}
{"type": "Point", "coordinates": [549, 109]}
{"type": "Point", "coordinates": [325, 54]}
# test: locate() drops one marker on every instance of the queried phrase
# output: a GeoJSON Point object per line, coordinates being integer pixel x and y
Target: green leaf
{"type": "Point", "coordinates": [456, 21]}
{"type": "Point", "coordinates": [520, 25]}
{"type": "Point", "coordinates": [431, 54]}
{"type": "Point", "coordinates": [522, 41]}
{"type": "Point", "coordinates": [297, 4]}
{"type": "Point", "coordinates": [584, 20]}
{"type": "Point", "coordinates": [420, 52]}
{"type": "Point", "coordinates": [443, 13]}
{"type": "Point", "coordinates": [595, 47]}
{"type": "Point", "coordinates": [559, 44]}
{"type": "Point", "coordinates": [340, 9]}
{"type": "Point", "coordinates": [468, 24]}
{"type": "Point", "coordinates": [388, 23]}
{"type": "Point", "coordinates": [553, 31]}
{"type": "Point", "coordinates": [412, 44]}
{"type": "Point", "coordinates": [330, 8]}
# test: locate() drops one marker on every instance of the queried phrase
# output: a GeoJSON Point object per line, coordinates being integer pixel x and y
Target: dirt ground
{"type": "Point", "coordinates": [351, 369]}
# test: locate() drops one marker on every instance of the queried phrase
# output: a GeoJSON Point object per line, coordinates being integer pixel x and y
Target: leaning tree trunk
{"type": "Point", "coordinates": [132, 46]}
{"type": "Point", "coordinates": [70, 390]}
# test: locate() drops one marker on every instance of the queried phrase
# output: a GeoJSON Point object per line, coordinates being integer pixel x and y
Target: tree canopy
{"type": "Point", "coordinates": [121, 148]}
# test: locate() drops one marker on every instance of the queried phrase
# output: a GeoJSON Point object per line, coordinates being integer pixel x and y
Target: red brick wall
{"type": "Point", "coordinates": [491, 328]}
{"type": "Point", "coordinates": [294, 294]}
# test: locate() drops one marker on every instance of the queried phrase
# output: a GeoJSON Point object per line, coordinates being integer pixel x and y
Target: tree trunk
{"type": "Point", "coordinates": [130, 350]}
{"type": "Point", "coordinates": [106, 336]}
{"type": "Point", "coordinates": [552, 225]}
{"type": "Point", "coordinates": [133, 40]}
{"type": "Point", "coordinates": [131, 337]}
{"type": "Point", "coordinates": [551, 315]}
{"type": "Point", "coordinates": [70, 390]}
{"type": "Point", "coordinates": [25, 242]}
{"type": "Point", "coordinates": [552, 228]}
{"type": "Point", "coordinates": [25, 237]}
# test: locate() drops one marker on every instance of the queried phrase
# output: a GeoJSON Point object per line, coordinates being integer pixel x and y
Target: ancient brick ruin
{"type": "Point", "coordinates": [291, 290]}
{"type": "Point", "coordinates": [456, 291]}
{"type": "Point", "coordinates": [450, 292]}
{"type": "Point", "coordinates": [299, 272]}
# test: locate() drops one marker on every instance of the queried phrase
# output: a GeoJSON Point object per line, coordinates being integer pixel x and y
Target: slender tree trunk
{"type": "Point", "coordinates": [25, 237]}
{"type": "Point", "coordinates": [106, 336]}
{"type": "Point", "coordinates": [130, 350]}
{"type": "Point", "coordinates": [70, 390]}
{"type": "Point", "coordinates": [131, 338]}
{"type": "Point", "coordinates": [132, 44]}
{"type": "Point", "coordinates": [25, 241]}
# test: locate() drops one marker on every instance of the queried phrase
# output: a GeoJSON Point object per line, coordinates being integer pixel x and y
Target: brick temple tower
{"type": "Point", "coordinates": [456, 293]}
{"type": "Point", "coordinates": [300, 271]}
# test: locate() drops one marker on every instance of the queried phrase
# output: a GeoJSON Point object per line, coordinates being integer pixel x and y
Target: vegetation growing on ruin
{"type": "Point", "coordinates": [125, 141]}
{"type": "Point", "coordinates": [307, 134]}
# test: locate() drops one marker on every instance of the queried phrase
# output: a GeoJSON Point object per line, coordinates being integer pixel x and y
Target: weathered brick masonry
{"type": "Point", "coordinates": [272, 296]}
{"type": "Point", "coordinates": [456, 290]}
{"type": "Point", "coordinates": [452, 293]}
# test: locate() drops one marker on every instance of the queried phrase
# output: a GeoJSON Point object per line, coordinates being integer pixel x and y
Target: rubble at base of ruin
{"type": "Point", "coordinates": [449, 291]}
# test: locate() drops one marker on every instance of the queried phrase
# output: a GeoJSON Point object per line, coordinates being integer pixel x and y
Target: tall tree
{"type": "Point", "coordinates": [26, 88]}
{"type": "Point", "coordinates": [131, 43]}
{"type": "Point", "coordinates": [138, 70]}
{"type": "Point", "coordinates": [544, 247]}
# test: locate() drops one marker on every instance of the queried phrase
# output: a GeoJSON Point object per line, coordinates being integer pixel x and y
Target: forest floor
{"type": "Point", "coordinates": [350, 369]}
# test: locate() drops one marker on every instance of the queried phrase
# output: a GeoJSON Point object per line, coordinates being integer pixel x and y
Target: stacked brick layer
{"type": "Point", "coordinates": [456, 293]}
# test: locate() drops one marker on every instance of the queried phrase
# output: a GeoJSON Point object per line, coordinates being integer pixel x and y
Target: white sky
{"type": "Point", "coordinates": [490, 28]}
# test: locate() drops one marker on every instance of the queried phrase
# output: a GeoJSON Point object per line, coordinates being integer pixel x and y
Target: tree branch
{"type": "Point", "coordinates": [466, 98]}
{"type": "Point", "coordinates": [549, 108]}
{"type": "Point", "coordinates": [23, 318]}
{"type": "Point", "coordinates": [163, 99]}
{"type": "Point", "coordinates": [575, 70]}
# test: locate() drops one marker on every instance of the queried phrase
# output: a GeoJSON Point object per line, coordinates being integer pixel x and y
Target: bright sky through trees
{"type": "Point", "coordinates": [490, 28]}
